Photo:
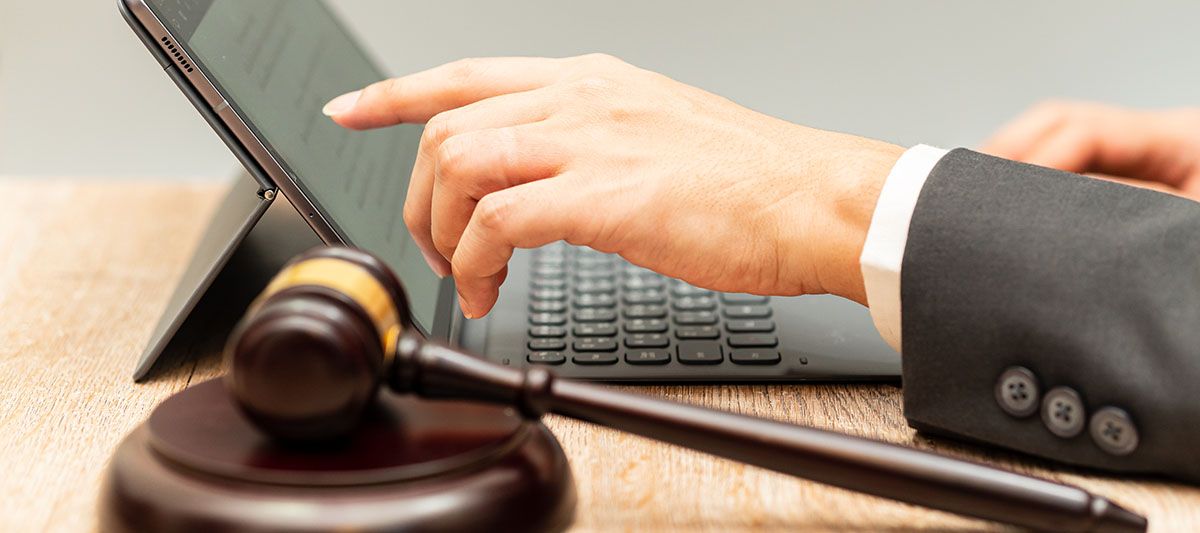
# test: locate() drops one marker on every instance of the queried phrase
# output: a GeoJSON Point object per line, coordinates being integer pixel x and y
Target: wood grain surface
{"type": "Point", "coordinates": [86, 267]}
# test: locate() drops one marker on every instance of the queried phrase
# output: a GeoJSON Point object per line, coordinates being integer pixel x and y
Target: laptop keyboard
{"type": "Point", "coordinates": [591, 308]}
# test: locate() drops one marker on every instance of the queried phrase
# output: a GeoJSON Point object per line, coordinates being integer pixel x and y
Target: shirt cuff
{"type": "Point", "coordinates": [883, 252]}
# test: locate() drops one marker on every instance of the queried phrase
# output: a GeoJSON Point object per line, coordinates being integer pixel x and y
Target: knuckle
{"type": "Point", "coordinates": [393, 87]}
{"type": "Point", "coordinates": [592, 86]}
{"type": "Point", "coordinates": [464, 70]}
{"type": "Point", "coordinates": [493, 212]}
{"type": "Point", "coordinates": [412, 219]}
{"type": "Point", "coordinates": [451, 159]}
{"type": "Point", "coordinates": [601, 59]}
{"type": "Point", "coordinates": [507, 148]}
{"type": "Point", "coordinates": [385, 90]}
{"type": "Point", "coordinates": [437, 130]}
{"type": "Point", "coordinates": [593, 63]}
{"type": "Point", "coordinates": [444, 243]}
{"type": "Point", "coordinates": [462, 270]}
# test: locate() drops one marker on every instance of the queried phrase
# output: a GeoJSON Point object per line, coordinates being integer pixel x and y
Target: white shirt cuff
{"type": "Point", "coordinates": [883, 252]}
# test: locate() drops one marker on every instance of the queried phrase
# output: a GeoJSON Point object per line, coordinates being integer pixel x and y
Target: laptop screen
{"type": "Point", "coordinates": [277, 62]}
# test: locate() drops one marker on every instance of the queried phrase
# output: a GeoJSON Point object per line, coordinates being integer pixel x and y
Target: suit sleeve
{"type": "Point", "coordinates": [1054, 314]}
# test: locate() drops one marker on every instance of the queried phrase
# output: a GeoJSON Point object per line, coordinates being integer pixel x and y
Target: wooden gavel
{"type": "Point", "coordinates": [309, 357]}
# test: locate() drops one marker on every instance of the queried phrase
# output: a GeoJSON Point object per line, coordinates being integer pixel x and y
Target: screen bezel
{"type": "Point", "coordinates": [446, 318]}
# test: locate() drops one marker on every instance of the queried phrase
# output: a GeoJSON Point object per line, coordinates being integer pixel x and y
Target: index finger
{"type": "Point", "coordinates": [525, 216]}
{"type": "Point", "coordinates": [418, 97]}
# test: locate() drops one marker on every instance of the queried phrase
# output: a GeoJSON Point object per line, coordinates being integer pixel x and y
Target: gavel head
{"type": "Point", "coordinates": [307, 359]}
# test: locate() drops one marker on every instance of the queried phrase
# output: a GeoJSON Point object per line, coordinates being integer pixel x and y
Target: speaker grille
{"type": "Point", "coordinates": [173, 50]}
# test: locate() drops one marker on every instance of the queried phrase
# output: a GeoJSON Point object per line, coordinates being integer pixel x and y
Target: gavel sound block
{"type": "Point", "coordinates": [203, 462]}
{"type": "Point", "coordinates": [198, 464]}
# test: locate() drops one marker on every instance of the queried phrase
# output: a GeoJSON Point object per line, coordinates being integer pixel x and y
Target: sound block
{"type": "Point", "coordinates": [198, 464]}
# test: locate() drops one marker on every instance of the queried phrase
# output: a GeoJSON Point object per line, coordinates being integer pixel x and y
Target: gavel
{"type": "Point", "coordinates": [312, 352]}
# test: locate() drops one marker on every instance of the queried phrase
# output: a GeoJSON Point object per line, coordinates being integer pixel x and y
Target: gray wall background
{"type": "Point", "coordinates": [80, 97]}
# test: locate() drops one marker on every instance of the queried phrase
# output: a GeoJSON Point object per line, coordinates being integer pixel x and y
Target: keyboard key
{"type": "Point", "coordinates": [683, 289]}
{"type": "Point", "coordinates": [595, 330]}
{"type": "Point", "coordinates": [548, 331]}
{"type": "Point", "coordinates": [586, 256]}
{"type": "Point", "coordinates": [546, 358]}
{"type": "Point", "coordinates": [646, 325]}
{"type": "Point", "coordinates": [595, 345]}
{"type": "Point", "coordinates": [595, 315]}
{"type": "Point", "coordinates": [549, 259]}
{"type": "Point", "coordinates": [595, 359]}
{"type": "Point", "coordinates": [751, 341]}
{"type": "Point", "coordinates": [631, 269]}
{"type": "Point", "coordinates": [647, 340]}
{"type": "Point", "coordinates": [547, 319]}
{"type": "Point", "coordinates": [548, 306]}
{"type": "Point", "coordinates": [647, 357]}
{"type": "Point", "coordinates": [641, 283]}
{"type": "Point", "coordinates": [694, 303]}
{"type": "Point", "coordinates": [699, 352]}
{"type": "Point", "coordinates": [750, 326]}
{"type": "Point", "coordinates": [549, 283]}
{"type": "Point", "coordinates": [595, 300]}
{"type": "Point", "coordinates": [643, 297]}
{"type": "Point", "coordinates": [549, 271]}
{"type": "Point", "coordinates": [747, 311]}
{"type": "Point", "coordinates": [548, 294]}
{"type": "Point", "coordinates": [547, 345]}
{"type": "Point", "coordinates": [697, 318]}
{"type": "Point", "coordinates": [697, 332]}
{"type": "Point", "coordinates": [595, 287]}
{"type": "Point", "coordinates": [645, 311]}
{"type": "Point", "coordinates": [604, 272]}
{"type": "Point", "coordinates": [744, 299]}
{"type": "Point", "coordinates": [585, 275]}
{"type": "Point", "coordinates": [590, 258]}
{"type": "Point", "coordinates": [754, 357]}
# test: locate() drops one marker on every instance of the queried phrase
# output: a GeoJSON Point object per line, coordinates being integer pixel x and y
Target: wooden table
{"type": "Point", "coordinates": [86, 267]}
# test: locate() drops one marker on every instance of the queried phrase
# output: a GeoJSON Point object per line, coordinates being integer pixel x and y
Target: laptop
{"type": "Point", "coordinates": [259, 73]}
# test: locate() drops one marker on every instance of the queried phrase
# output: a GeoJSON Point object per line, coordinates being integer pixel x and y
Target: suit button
{"type": "Point", "coordinates": [1017, 392]}
{"type": "Point", "coordinates": [1063, 412]}
{"type": "Point", "coordinates": [1113, 431]}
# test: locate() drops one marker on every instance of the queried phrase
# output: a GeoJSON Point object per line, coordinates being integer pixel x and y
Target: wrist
{"type": "Point", "coordinates": [855, 173]}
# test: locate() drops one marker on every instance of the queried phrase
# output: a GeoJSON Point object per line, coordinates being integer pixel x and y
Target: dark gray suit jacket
{"type": "Point", "coordinates": [1054, 314]}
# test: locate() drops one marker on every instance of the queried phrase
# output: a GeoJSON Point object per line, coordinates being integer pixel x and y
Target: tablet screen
{"type": "Point", "coordinates": [277, 62]}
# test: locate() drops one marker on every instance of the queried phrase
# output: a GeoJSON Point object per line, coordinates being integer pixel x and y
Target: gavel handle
{"type": "Point", "coordinates": [859, 464]}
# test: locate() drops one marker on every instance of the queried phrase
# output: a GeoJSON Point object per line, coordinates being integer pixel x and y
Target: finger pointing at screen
{"type": "Point", "coordinates": [521, 152]}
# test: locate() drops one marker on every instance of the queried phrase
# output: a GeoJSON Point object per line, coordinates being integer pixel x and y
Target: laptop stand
{"type": "Point", "coordinates": [250, 237]}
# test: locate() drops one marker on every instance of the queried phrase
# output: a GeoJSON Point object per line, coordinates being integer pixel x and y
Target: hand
{"type": "Point", "coordinates": [1153, 149]}
{"type": "Point", "coordinates": [521, 152]}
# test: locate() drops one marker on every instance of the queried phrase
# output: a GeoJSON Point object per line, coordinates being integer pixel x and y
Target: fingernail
{"type": "Point", "coordinates": [341, 104]}
{"type": "Point", "coordinates": [467, 311]}
{"type": "Point", "coordinates": [435, 263]}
